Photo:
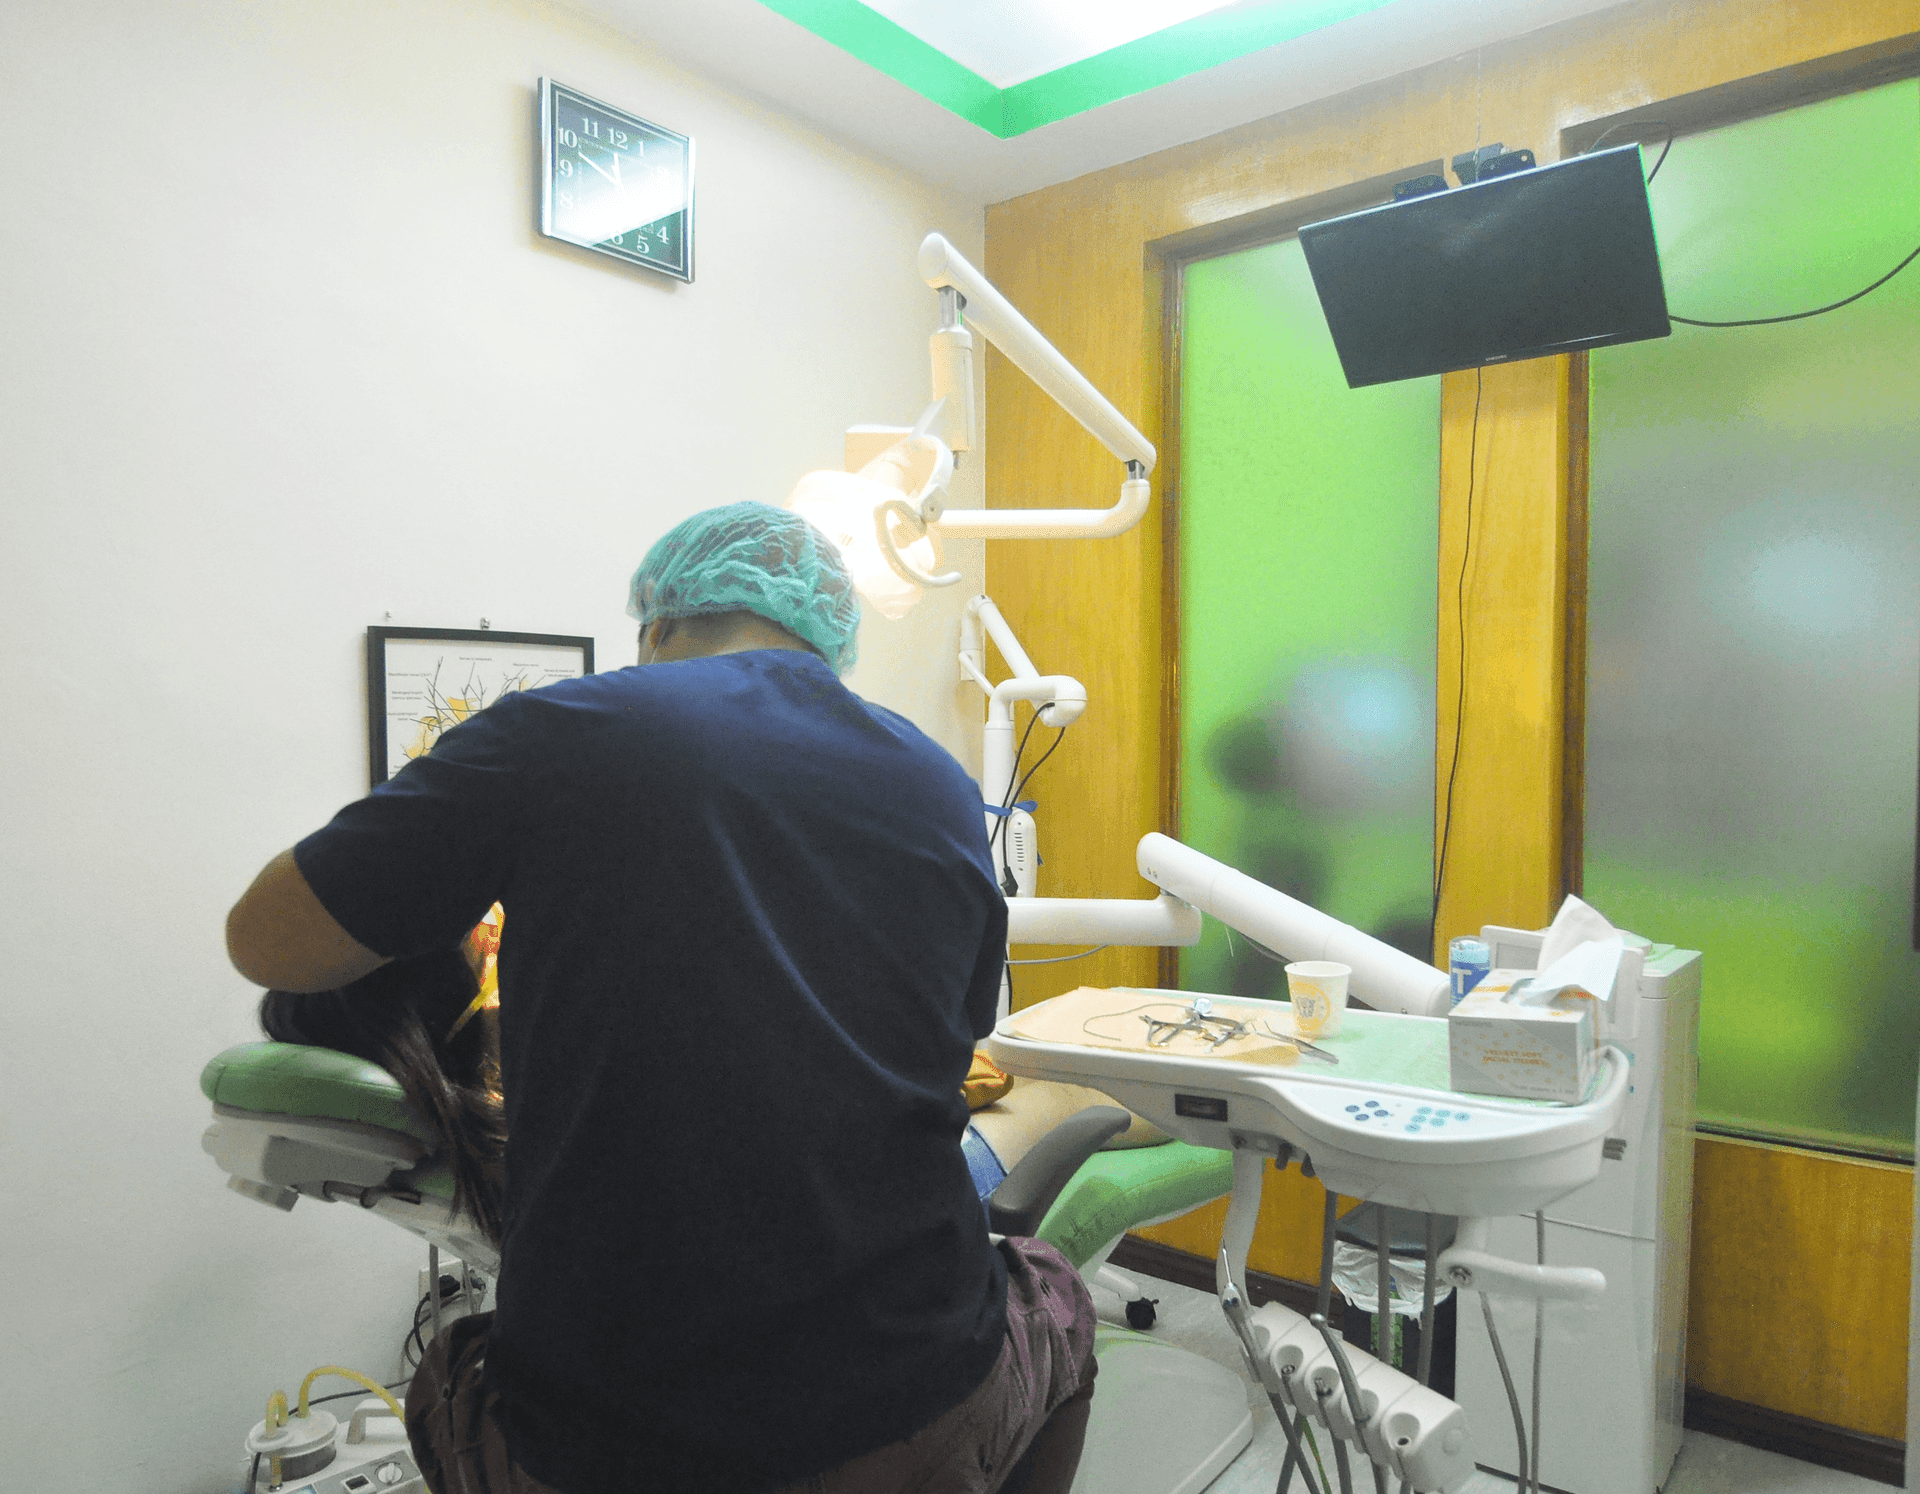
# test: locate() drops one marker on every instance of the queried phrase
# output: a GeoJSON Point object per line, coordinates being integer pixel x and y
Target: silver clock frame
{"type": "Point", "coordinates": [548, 88]}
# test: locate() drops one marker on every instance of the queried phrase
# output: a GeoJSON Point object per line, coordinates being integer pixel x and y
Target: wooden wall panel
{"type": "Point", "coordinates": [1499, 809]}
{"type": "Point", "coordinates": [1799, 1283]}
{"type": "Point", "coordinates": [1086, 261]}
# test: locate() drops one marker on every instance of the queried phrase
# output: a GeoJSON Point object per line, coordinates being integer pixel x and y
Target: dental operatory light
{"type": "Point", "coordinates": [894, 494]}
{"type": "Point", "coordinates": [887, 510]}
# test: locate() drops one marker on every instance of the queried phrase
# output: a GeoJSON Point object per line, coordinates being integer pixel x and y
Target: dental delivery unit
{"type": "Point", "coordinates": [1371, 1110]}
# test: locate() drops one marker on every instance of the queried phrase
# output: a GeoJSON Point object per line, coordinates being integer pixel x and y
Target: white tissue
{"type": "Point", "coordinates": [1581, 952]}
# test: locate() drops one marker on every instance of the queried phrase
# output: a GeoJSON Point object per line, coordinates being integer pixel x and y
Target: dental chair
{"type": "Point", "coordinates": [292, 1122]}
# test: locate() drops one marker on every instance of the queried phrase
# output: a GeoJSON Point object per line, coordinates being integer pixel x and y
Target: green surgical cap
{"type": "Point", "coordinates": [752, 557]}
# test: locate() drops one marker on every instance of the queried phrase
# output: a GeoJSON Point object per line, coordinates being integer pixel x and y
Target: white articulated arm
{"type": "Point", "coordinates": [993, 314]}
{"type": "Point", "coordinates": [1383, 976]}
{"type": "Point", "coordinates": [990, 313]}
{"type": "Point", "coordinates": [1062, 697]}
{"type": "Point", "coordinates": [982, 620]}
{"type": "Point", "coordinates": [1048, 523]}
{"type": "Point", "coordinates": [1470, 1265]}
{"type": "Point", "coordinates": [1162, 920]}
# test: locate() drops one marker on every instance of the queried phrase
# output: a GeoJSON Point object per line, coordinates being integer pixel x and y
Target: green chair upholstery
{"type": "Point", "coordinates": [1115, 1191]}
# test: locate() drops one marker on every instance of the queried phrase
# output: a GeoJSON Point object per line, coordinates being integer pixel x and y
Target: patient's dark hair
{"type": "Point", "coordinates": [399, 1017]}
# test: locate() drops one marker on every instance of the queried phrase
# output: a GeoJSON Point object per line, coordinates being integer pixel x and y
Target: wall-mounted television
{"type": "Point", "coordinates": [1548, 260]}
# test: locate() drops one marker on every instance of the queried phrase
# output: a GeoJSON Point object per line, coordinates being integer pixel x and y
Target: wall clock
{"type": "Point", "coordinates": [615, 183]}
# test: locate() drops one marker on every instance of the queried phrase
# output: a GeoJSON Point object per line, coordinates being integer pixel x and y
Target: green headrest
{"type": "Point", "coordinates": [289, 1079]}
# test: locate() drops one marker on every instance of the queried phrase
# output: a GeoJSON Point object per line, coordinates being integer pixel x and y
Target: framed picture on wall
{"type": "Point", "coordinates": [420, 681]}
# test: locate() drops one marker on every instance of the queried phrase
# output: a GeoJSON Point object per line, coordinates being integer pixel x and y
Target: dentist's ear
{"type": "Point", "coordinates": [654, 636]}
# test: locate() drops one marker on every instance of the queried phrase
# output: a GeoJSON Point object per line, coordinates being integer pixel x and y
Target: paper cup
{"type": "Point", "coordinates": [1318, 989]}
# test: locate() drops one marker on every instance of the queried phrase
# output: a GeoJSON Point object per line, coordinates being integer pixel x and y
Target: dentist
{"type": "Point", "coordinates": [752, 936]}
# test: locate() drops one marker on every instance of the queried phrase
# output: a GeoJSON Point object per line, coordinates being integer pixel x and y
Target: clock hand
{"type": "Point", "coordinates": [612, 176]}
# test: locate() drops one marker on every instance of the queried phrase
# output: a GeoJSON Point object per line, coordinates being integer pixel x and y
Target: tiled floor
{"type": "Point", "coordinates": [1706, 1465]}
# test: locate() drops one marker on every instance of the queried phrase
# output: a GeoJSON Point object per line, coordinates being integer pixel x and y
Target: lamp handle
{"type": "Point", "coordinates": [902, 567]}
{"type": "Point", "coordinates": [927, 505]}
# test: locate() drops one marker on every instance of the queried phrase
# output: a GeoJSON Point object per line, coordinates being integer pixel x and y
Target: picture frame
{"type": "Point", "coordinates": [420, 681]}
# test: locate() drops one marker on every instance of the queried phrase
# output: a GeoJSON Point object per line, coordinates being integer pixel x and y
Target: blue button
{"type": "Point", "coordinates": [1439, 1120]}
{"type": "Point", "coordinates": [1414, 1129]}
{"type": "Point", "coordinates": [1375, 1105]}
{"type": "Point", "coordinates": [1363, 1116]}
{"type": "Point", "coordinates": [1461, 1115]}
{"type": "Point", "coordinates": [1424, 1110]}
{"type": "Point", "coordinates": [1353, 1109]}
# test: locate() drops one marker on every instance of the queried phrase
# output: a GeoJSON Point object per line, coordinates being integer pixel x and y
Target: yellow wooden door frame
{"type": "Point", "coordinates": [1094, 262]}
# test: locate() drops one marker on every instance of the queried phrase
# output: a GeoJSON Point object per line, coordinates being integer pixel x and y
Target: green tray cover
{"type": "Point", "coordinates": [1382, 1047]}
{"type": "Point", "coordinates": [319, 1083]}
{"type": "Point", "coordinates": [1114, 1191]}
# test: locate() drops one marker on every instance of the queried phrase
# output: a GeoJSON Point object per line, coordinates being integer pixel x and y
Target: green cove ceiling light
{"type": "Point", "coordinates": [1163, 56]}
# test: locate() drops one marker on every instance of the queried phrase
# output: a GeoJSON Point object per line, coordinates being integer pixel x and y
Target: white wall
{"type": "Point", "coordinates": [282, 353]}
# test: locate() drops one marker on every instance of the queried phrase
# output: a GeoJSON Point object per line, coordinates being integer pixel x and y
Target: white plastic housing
{"type": "Point", "coordinates": [1499, 1157]}
{"type": "Point", "coordinates": [1470, 1264]}
{"type": "Point", "coordinates": [1413, 1431]}
{"type": "Point", "coordinates": [1015, 850]}
{"type": "Point", "coordinates": [1383, 976]}
{"type": "Point", "coordinates": [1291, 1345]}
{"type": "Point", "coordinates": [1325, 1386]}
{"type": "Point", "coordinates": [1426, 1438]}
{"type": "Point", "coordinates": [1049, 523]}
{"type": "Point", "coordinates": [1162, 920]}
{"type": "Point", "coordinates": [953, 386]}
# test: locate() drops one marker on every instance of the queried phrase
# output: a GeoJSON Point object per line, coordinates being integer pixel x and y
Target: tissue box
{"type": "Point", "coordinates": [1495, 1046]}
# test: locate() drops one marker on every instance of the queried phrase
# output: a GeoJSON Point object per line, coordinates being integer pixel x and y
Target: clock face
{"type": "Point", "coordinates": [614, 183]}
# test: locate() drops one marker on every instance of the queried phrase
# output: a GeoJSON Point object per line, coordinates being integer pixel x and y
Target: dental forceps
{"type": "Point", "coordinates": [1199, 1021]}
{"type": "Point", "coordinates": [1310, 1049]}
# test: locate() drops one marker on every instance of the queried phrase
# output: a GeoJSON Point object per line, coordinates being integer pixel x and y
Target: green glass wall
{"type": "Point", "coordinates": [1754, 669]}
{"type": "Point", "coordinates": [1308, 519]}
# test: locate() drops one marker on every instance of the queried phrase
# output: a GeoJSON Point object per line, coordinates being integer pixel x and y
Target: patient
{"type": "Point", "coordinates": [418, 1018]}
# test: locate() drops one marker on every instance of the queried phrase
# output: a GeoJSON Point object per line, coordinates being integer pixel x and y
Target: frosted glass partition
{"type": "Point", "coordinates": [1308, 517]}
{"type": "Point", "coordinates": [1754, 669]}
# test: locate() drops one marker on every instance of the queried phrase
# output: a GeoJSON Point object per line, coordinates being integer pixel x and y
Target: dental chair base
{"type": "Point", "coordinates": [1163, 1421]}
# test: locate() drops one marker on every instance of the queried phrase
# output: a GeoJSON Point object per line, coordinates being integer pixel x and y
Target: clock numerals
{"type": "Point", "coordinates": [617, 184]}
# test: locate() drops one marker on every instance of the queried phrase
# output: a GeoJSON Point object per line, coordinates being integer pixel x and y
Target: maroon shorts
{"type": "Point", "coordinates": [1019, 1431]}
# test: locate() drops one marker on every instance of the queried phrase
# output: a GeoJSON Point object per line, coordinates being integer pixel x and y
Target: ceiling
{"type": "Point", "coordinates": [1008, 42]}
{"type": "Point", "coordinates": [996, 98]}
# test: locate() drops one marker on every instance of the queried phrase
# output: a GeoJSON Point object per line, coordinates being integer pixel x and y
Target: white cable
{"type": "Point", "coordinates": [1062, 959]}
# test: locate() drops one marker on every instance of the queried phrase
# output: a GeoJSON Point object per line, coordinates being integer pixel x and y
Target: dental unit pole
{"type": "Point", "coordinates": [1058, 700]}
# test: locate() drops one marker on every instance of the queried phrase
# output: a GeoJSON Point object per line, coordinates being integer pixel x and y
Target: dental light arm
{"type": "Point", "coordinates": [1192, 884]}
{"type": "Point", "coordinates": [942, 267]}
{"type": "Point", "coordinates": [962, 286]}
{"type": "Point", "coordinates": [1061, 697]}
{"type": "Point", "coordinates": [887, 512]}
{"type": "Point", "coordinates": [1383, 976]}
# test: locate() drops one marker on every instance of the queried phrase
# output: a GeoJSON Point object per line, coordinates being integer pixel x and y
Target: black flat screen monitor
{"type": "Point", "coordinates": [1551, 260]}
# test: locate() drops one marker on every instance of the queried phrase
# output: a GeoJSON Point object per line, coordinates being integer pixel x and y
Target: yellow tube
{"type": "Point", "coordinates": [276, 1410]}
{"type": "Point", "coordinates": [346, 1374]}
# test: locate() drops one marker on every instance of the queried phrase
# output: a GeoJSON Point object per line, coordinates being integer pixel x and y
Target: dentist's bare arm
{"type": "Point", "coordinates": [279, 935]}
